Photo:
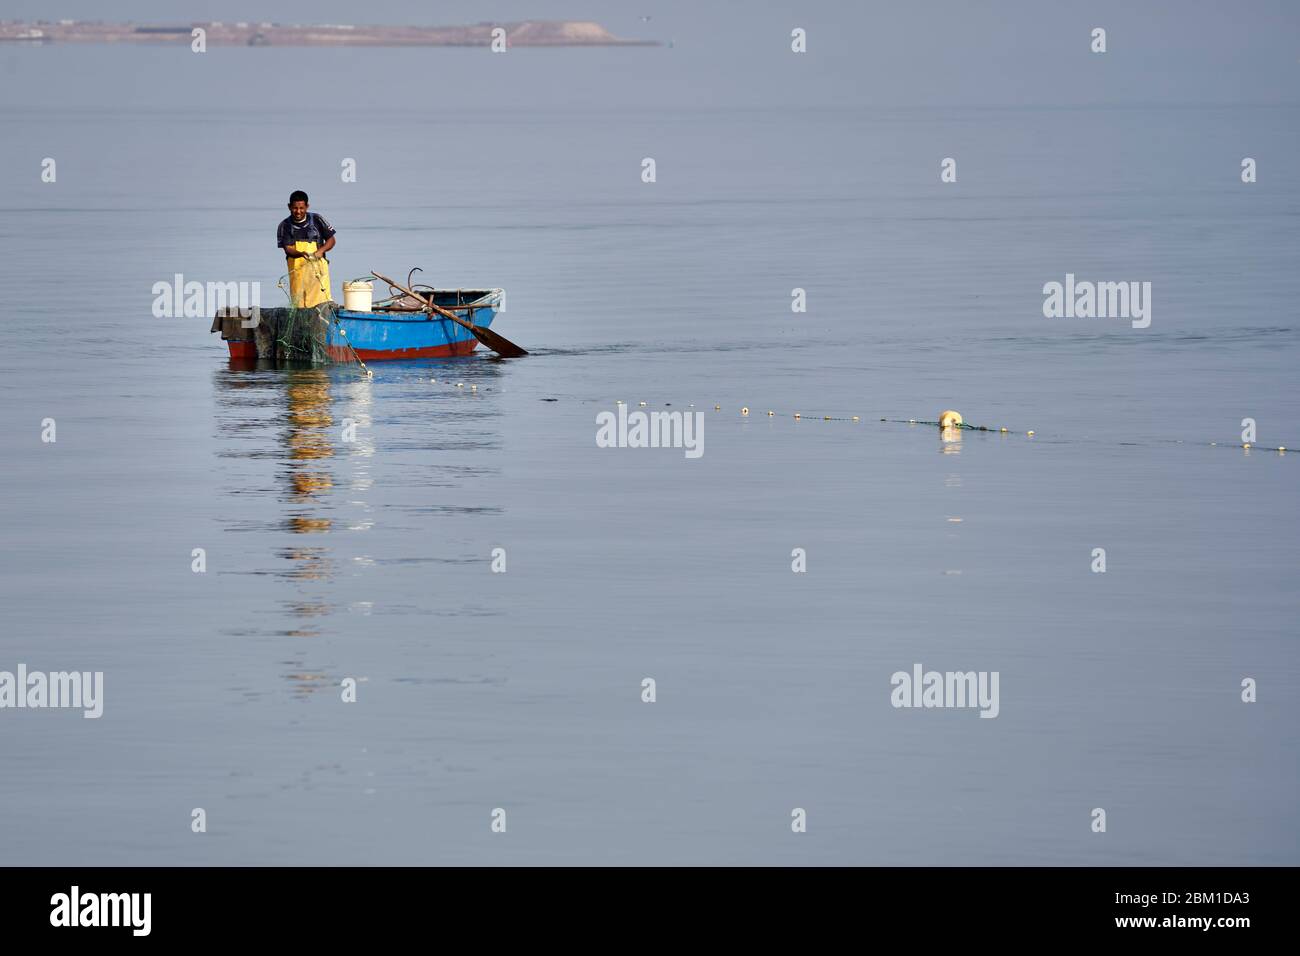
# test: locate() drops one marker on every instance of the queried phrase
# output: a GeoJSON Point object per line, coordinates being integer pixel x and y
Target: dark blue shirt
{"type": "Point", "coordinates": [312, 229]}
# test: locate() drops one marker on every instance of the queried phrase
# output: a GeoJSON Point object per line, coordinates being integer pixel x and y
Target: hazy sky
{"type": "Point", "coordinates": [1009, 52]}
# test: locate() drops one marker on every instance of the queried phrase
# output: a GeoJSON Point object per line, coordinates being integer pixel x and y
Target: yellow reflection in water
{"type": "Point", "coordinates": [309, 440]}
{"type": "Point", "coordinates": [303, 430]}
{"type": "Point", "coordinates": [305, 524]}
{"type": "Point", "coordinates": [306, 484]}
{"type": "Point", "coordinates": [310, 444]}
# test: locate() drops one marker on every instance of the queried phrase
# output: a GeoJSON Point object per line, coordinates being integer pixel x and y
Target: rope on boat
{"type": "Point", "coordinates": [344, 336]}
{"type": "Point", "coordinates": [314, 262]}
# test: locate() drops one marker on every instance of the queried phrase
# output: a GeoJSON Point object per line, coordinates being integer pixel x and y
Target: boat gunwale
{"type": "Point", "coordinates": [489, 299]}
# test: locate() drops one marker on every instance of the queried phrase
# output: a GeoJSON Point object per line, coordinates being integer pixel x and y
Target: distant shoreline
{"type": "Point", "coordinates": [247, 33]}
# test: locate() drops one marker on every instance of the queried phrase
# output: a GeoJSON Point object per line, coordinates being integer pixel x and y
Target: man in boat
{"type": "Point", "coordinates": [305, 237]}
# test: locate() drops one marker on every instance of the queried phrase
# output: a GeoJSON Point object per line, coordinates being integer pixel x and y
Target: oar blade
{"type": "Point", "coordinates": [498, 343]}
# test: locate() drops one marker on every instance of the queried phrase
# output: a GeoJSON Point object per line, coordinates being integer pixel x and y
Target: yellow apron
{"type": "Point", "coordinates": [309, 279]}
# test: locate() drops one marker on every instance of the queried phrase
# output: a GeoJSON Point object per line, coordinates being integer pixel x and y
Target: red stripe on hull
{"type": "Point", "coordinates": [341, 353]}
{"type": "Point", "coordinates": [248, 350]}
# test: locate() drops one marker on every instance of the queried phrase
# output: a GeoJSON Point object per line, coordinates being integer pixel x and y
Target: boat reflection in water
{"type": "Point", "coordinates": [302, 485]}
{"type": "Point", "coordinates": [299, 411]}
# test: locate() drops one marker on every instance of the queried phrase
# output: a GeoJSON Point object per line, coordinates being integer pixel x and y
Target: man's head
{"type": "Point", "coordinates": [298, 205]}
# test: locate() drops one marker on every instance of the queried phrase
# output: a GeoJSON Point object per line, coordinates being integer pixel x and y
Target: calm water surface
{"type": "Point", "coordinates": [370, 559]}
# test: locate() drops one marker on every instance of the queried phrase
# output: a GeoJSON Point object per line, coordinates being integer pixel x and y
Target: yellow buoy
{"type": "Point", "coordinates": [1030, 433]}
{"type": "Point", "coordinates": [797, 415]}
{"type": "Point", "coordinates": [948, 418]}
{"type": "Point", "coordinates": [744, 411]}
{"type": "Point", "coordinates": [642, 404]}
{"type": "Point", "coordinates": [770, 414]}
{"type": "Point", "coordinates": [855, 418]}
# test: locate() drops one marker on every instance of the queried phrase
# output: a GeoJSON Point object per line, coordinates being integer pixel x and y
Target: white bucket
{"type": "Point", "coordinates": [357, 296]}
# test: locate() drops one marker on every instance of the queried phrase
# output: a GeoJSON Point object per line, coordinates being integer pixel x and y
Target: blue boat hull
{"type": "Point", "coordinates": [377, 336]}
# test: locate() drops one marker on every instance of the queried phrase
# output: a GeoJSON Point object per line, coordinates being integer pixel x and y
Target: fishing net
{"type": "Point", "coordinates": [285, 335]}
{"type": "Point", "coordinates": [294, 333]}
{"type": "Point", "coordinates": [302, 332]}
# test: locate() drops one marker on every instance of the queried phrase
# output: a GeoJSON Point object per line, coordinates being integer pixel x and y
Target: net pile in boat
{"type": "Point", "coordinates": [288, 334]}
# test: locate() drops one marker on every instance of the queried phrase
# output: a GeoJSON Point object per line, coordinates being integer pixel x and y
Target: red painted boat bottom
{"type": "Point", "coordinates": [341, 353]}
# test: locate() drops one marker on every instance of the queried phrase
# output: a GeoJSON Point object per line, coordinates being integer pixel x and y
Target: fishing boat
{"type": "Point", "coordinates": [397, 328]}
{"type": "Point", "coordinates": [395, 333]}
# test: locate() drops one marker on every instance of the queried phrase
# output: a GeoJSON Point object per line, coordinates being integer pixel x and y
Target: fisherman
{"type": "Point", "coordinates": [305, 237]}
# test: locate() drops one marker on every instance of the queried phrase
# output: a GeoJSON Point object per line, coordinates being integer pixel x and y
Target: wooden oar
{"type": "Point", "coordinates": [497, 343]}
